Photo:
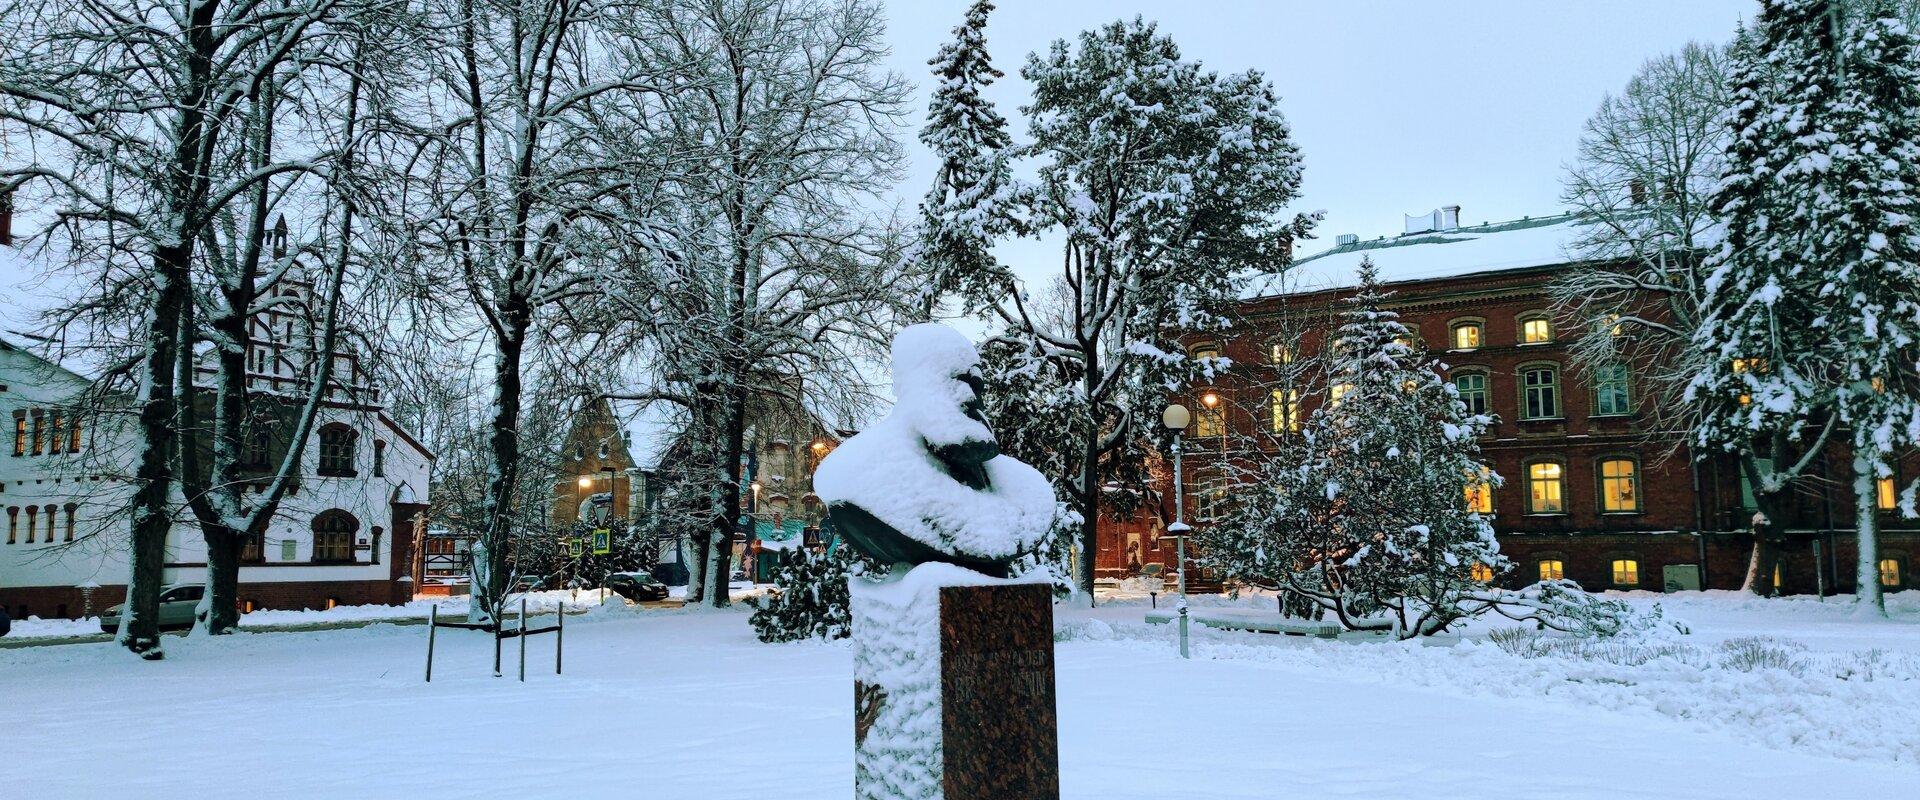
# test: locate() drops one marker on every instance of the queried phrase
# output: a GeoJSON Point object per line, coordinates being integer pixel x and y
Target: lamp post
{"type": "Point", "coordinates": [1175, 418]}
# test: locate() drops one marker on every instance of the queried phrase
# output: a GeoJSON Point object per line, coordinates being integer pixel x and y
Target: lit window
{"type": "Point", "coordinates": [1480, 492]}
{"type": "Point", "coordinates": [1482, 573]}
{"type": "Point", "coordinates": [1885, 496]}
{"type": "Point", "coordinates": [1538, 330]}
{"type": "Point", "coordinates": [333, 536]}
{"type": "Point", "coordinates": [20, 433]}
{"type": "Point", "coordinates": [1890, 572]}
{"type": "Point", "coordinates": [1282, 354]}
{"type": "Point", "coordinates": [56, 428]}
{"type": "Point", "coordinates": [1286, 411]}
{"type": "Point", "coordinates": [1466, 336]}
{"type": "Point", "coordinates": [1611, 390]}
{"type": "Point", "coordinates": [1619, 486]}
{"type": "Point", "coordinates": [1337, 392]}
{"type": "Point", "coordinates": [1472, 388]}
{"type": "Point", "coordinates": [1406, 340]}
{"type": "Point", "coordinates": [39, 432]}
{"type": "Point", "coordinates": [1626, 572]}
{"type": "Point", "coordinates": [1209, 421]}
{"type": "Point", "coordinates": [73, 433]}
{"type": "Point", "coordinates": [1542, 391]}
{"type": "Point", "coordinates": [1546, 488]}
{"type": "Point", "coordinates": [1744, 365]}
{"type": "Point", "coordinates": [1613, 325]}
{"type": "Point", "coordinates": [1553, 569]}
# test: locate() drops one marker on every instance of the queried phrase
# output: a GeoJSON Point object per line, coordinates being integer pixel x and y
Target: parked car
{"type": "Point", "coordinates": [177, 604]}
{"type": "Point", "coordinates": [636, 586]}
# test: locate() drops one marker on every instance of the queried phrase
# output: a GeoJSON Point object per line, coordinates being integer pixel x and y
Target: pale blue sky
{"type": "Point", "coordinates": [1398, 107]}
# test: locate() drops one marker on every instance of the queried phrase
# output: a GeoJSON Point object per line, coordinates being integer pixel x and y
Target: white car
{"type": "Point", "coordinates": [177, 604]}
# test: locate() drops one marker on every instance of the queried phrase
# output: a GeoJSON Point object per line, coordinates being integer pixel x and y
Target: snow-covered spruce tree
{"type": "Point", "coordinates": [1364, 515]}
{"type": "Point", "coordinates": [1762, 389]}
{"type": "Point", "coordinates": [961, 213]}
{"type": "Point", "coordinates": [1393, 452]}
{"type": "Point", "coordinates": [1162, 181]}
{"type": "Point", "coordinates": [1871, 290]}
{"type": "Point", "coordinates": [811, 597]}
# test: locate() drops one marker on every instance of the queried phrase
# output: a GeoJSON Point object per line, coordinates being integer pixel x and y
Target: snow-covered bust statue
{"type": "Point", "coordinates": [928, 482]}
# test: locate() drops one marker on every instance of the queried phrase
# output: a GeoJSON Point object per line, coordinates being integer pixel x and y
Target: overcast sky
{"type": "Point", "coordinates": [1397, 107]}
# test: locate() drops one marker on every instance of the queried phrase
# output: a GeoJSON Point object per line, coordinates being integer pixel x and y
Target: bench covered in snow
{"type": "Point", "coordinates": [1249, 619]}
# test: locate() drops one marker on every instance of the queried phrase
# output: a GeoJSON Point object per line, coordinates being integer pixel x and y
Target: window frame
{"type": "Point", "coordinates": [1520, 322]}
{"type": "Point", "coordinates": [1886, 493]}
{"type": "Point", "coordinates": [326, 551]}
{"type": "Point", "coordinates": [1484, 480]}
{"type": "Point", "coordinates": [336, 458]}
{"type": "Point", "coordinates": [1486, 387]}
{"type": "Point", "coordinates": [1614, 561]}
{"type": "Point", "coordinates": [1599, 384]}
{"type": "Point", "coordinates": [1600, 479]}
{"type": "Point", "coordinates": [1453, 333]}
{"type": "Point", "coordinates": [1283, 411]}
{"type": "Point", "coordinates": [1899, 571]}
{"type": "Point", "coordinates": [1559, 562]}
{"type": "Point", "coordinates": [1559, 400]}
{"type": "Point", "coordinates": [1526, 471]}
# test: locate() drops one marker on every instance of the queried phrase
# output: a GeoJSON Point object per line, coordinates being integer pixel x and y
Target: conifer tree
{"type": "Point", "coordinates": [811, 599]}
{"type": "Point", "coordinates": [1759, 391]}
{"type": "Point", "coordinates": [1871, 296]}
{"type": "Point", "coordinates": [960, 213]}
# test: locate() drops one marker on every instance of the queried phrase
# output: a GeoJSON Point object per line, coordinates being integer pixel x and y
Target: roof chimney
{"type": "Point", "coordinates": [1444, 218]}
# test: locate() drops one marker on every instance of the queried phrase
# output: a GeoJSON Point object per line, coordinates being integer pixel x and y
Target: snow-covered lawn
{"type": "Point", "coordinates": [662, 703]}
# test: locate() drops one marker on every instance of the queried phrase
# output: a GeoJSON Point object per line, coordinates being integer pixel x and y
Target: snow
{"type": "Point", "coordinates": [1422, 256]}
{"type": "Point", "coordinates": [686, 703]}
{"type": "Point", "coordinates": [889, 471]}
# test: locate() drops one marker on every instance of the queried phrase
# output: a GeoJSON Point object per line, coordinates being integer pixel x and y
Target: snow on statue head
{"type": "Point", "coordinates": [927, 482]}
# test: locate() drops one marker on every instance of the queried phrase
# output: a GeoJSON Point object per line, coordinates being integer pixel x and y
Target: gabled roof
{"type": "Point", "coordinates": [1492, 247]}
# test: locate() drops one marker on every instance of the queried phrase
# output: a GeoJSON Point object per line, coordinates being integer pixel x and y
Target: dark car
{"type": "Point", "coordinates": [636, 586]}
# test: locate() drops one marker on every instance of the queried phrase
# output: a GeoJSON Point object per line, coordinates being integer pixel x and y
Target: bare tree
{"type": "Point", "coordinates": [133, 111]}
{"type": "Point", "coordinates": [775, 281]}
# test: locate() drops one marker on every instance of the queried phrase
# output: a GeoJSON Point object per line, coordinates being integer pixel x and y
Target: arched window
{"type": "Point", "coordinates": [1619, 486]}
{"type": "Point", "coordinates": [33, 522]}
{"type": "Point", "coordinates": [1535, 328]}
{"type": "Point", "coordinates": [1552, 569]}
{"type": "Point", "coordinates": [71, 507]}
{"type": "Point", "coordinates": [53, 519]}
{"type": "Point", "coordinates": [374, 554]}
{"type": "Point", "coordinates": [1466, 334]}
{"type": "Point", "coordinates": [1540, 391]}
{"type": "Point", "coordinates": [1546, 488]}
{"type": "Point", "coordinates": [13, 524]}
{"type": "Point", "coordinates": [333, 536]}
{"type": "Point", "coordinates": [337, 449]}
{"type": "Point", "coordinates": [1472, 390]}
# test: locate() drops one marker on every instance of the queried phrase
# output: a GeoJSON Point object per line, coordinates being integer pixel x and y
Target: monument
{"type": "Point", "coordinates": [953, 660]}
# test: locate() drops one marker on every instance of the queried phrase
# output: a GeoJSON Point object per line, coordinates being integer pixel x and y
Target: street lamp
{"type": "Point", "coordinates": [1175, 418]}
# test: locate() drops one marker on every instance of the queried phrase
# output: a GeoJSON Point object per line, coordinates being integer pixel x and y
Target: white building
{"type": "Point", "coordinates": [345, 535]}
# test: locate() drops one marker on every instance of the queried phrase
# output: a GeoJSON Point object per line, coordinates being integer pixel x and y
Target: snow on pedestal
{"type": "Point", "coordinates": [899, 724]}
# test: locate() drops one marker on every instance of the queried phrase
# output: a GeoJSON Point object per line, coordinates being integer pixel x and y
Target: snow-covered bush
{"type": "Point", "coordinates": [810, 597]}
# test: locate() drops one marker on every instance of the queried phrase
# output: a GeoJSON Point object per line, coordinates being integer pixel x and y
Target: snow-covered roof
{"type": "Point", "coordinates": [650, 428]}
{"type": "Point", "coordinates": [1493, 247]}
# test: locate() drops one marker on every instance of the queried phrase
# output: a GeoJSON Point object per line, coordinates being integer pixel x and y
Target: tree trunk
{"type": "Point", "coordinates": [730, 511]}
{"type": "Point", "coordinates": [490, 574]}
{"type": "Point", "coordinates": [1765, 526]}
{"type": "Point", "coordinates": [1869, 601]}
{"type": "Point", "coordinates": [1087, 498]}
{"type": "Point", "coordinates": [152, 516]}
{"type": "Point", "coordinates": [220, 608]}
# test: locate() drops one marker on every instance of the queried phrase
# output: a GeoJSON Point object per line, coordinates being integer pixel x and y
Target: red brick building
{"type": "Point", "coordinates": [1591, 492]}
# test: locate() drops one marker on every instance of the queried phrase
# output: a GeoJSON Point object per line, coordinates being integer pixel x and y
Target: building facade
{"type": "Point", "coordinates": [1590, 490]}
{"type": "Point", "coordinates": [344, 535]}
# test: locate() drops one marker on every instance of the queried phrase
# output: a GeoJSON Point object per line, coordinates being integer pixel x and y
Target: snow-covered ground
{"type": "Point", "coordinates": [659, 703]}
